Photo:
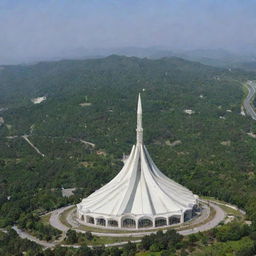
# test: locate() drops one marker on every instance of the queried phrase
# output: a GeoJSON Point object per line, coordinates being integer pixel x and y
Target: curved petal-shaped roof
{"type": "Point", "coordinates": [140, 188]}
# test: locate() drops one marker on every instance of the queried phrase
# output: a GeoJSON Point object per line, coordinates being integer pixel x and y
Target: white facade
{"type": "Point", "coordinates": [140, 196]}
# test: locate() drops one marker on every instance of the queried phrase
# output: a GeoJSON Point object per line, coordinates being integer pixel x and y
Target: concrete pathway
{"type": "Point", "coordinates": [23, 234]}
{"type": "Point", "coordinates": [55, 222]}
{"type": "Point", "coordinates": [106, 245]}
{"type": "Point", "coordinates": [219, 216]}
{"type": "Point", "coordinates": [75, 223]}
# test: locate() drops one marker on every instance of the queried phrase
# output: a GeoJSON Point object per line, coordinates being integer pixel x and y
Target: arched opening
{"type": "Point", "coordinates": [112, 223]}
{"type": "Point", "coordinates": [145, 223]}
{"type": "Point", "coordinates": [187, 215]}
{"type": "Point", "coordinates": [195, 210]}
{"type": "Point", "coordinates": [90, 219]}
{"type": "Point", "coordinates": [82, 218]}
{"type": "Point", "coordinates": [129, 223]}
{"type": "Point", "coordinates": [175, 219]}
{"type": "Point", "coordinates": [160, 221]}
{"type": "Point", "coordinates": [101, 222]}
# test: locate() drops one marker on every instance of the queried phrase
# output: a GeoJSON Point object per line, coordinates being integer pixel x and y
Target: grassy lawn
{"type": "Point", "coordinates": [100, 240]}
{"type": "Point", "coordinates": [64, 215]}
{"type": "Point", "coordinates": [233, 212]}
{"type": "Point", "coordinates": [63, 219]}
{"type": "Point", "coordinates": [180, 227]}
{"type": "Point", "coordinates": [226, 208]}
{"type": "Point", "coordinates": [212, 199]}
{"type": "Point", "coordinates": [99, 230]}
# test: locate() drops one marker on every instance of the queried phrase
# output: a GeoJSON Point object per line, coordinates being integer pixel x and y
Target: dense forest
{"type": "Point", "coordinates": [207, 148]}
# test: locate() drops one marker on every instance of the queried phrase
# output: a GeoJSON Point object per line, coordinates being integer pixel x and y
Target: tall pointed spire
{"type": "Point", "coordinates": [140, 192]}
{"type": "Point", "coordinates": [139, 129]}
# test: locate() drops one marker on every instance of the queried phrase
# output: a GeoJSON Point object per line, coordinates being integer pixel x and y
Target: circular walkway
{"type": "Point", "coordinates": [55, 222]}
{"type": "Point", "coordinates": [218, 217]}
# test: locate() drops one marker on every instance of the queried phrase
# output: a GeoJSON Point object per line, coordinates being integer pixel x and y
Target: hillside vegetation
{"type": "Point", "coordinates": [95, 101]}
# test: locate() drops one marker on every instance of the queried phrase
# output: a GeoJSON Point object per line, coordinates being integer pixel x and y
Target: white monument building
{"type": "Point", "coordinates": [140, 196]}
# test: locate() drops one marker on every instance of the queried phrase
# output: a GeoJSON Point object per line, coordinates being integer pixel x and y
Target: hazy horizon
{"type": "Point", "coordinates": [33, 30]}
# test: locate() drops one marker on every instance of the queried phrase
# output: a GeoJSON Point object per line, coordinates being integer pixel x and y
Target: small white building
{"type": "Point", "coordinates": [140, 196]}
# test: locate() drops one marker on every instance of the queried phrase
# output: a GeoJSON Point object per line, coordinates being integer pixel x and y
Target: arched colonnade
{"type": "Point", "coordinates": [131, 222]}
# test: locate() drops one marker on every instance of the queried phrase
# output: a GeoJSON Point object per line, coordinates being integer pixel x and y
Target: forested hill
{"type": "Point", "coordinates": [192, 123]}
{"type": "Point", "coordinates": [65, 77]}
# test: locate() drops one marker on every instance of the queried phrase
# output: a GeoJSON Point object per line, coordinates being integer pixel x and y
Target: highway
{"type": "Point", "coordinates": [251, 86]}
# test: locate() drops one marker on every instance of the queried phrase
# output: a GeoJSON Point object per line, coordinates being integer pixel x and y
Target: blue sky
{"type": "Point", "coordinates": [41, 29]}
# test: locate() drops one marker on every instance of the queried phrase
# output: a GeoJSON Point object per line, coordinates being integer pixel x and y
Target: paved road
{"type": "Point", "coordinates": [106, 245]}
{"type": "Point", "coordinates": [54, 219]}
{"type": "Point", "coordinates": [76, 223]}
{"type": "Point", "coordinates": [55, 222]}
{"type": "Point", "coordinates": [24, 235]}
{"type": "Point", "coordinates": [251, 86]}
{"type": "Point", "coordinates": [219, 216]}
{"type": "Point", "coordinates": [45, 244]}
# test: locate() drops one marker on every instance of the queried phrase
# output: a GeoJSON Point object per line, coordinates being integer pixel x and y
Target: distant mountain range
{"type": "Point", "coordinates": [213, 57]}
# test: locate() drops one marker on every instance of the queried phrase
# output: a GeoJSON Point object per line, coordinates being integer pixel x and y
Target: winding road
{"type": "Point", "coordinates": [219, 216]}
{"type": "Point", "coordinates": [55, 222]}
{"type": "Point", "coordinates": [23, 234]}
{"type": "Point", "coordinates": [251, 86]}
